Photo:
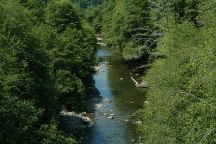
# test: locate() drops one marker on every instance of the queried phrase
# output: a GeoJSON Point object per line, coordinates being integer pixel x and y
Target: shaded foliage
{"type": "Point", "coordinates": [181, 92]}
{"type": "Point", "coordinates": [47, 54]}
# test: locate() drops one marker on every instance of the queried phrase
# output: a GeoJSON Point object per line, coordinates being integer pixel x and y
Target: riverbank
{"type": "Point", "coordinates": [74, 123]}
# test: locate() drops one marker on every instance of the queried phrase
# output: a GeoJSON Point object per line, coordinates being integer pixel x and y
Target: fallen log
{"type": "Point", "coordinates": [143, 84]}
{"type": "Point", "coordinates": [143, 66]}
{"type": "Point", "coordinates": [136, 83]}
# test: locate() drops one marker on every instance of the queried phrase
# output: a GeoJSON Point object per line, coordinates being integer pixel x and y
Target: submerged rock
{"type": "Point", "coordinates": [106, 99]}
{"type": "Point", "coordinates": [98, 106]}
{"type": "Point", "coordinates": [112, 114]}
{"type": "Point", "coordinates": [91, 125]}
{"type": "Point", "coordinates": [110, 117]}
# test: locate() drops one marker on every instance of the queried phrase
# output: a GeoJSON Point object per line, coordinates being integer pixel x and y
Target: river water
{"type": "Point", "coordinates": [120, 98]}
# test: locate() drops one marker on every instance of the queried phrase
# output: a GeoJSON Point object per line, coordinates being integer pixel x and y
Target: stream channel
{"type": "Point", "coordinates": [115, 122]}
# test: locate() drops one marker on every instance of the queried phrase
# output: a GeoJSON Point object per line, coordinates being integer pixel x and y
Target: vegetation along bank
{"type": "Point", "coordinates": [48, 53]}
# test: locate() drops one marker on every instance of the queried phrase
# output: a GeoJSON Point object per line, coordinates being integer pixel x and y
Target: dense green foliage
{"type": "Point", "coordinates": [181, 106]}
{"type": "Point", "coordinates": [133, 27]}
{"type": "Point", "coordinates": [91, 9]}
{"type": "Point", "coordinates": [84, 4]}
{"type": "Point", "coordinates": [47, 53]}
{"type": "Point", "coordinates": [177, 38]}
{"type": "Point", "coordinates": [126, 26]}
{"type": "Point", "coordinates": [74, 55]}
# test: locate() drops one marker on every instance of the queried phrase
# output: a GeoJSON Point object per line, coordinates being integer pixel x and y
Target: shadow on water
{"type": "Point", "coordinates": [120, 100]}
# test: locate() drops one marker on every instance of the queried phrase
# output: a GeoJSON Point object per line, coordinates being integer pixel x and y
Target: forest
{"type": "Point", "coordinates": [48, 53]}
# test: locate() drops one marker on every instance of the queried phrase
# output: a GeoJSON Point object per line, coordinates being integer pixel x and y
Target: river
{"type": "Point", "coordinates": [120, 99]}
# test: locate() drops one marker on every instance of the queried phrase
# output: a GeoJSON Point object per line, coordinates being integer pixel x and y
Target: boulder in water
{"type": "Point", "coordinates": [110, 117]}
{"type": "Point", "coordinates": [72, 122]}
{"type": "Point", "coordinates": [98, 106]}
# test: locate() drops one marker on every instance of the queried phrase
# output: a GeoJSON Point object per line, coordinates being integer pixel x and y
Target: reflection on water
{"type": "Point", "coordinates": [120, 100]}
